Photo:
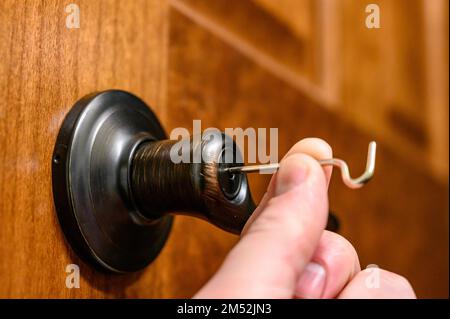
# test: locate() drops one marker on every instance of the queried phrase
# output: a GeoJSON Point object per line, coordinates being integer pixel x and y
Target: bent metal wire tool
{"type": "Point", "coordinates": [353, 183]}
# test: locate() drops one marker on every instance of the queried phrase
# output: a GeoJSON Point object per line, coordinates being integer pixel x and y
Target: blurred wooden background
{"type": "Point", "coordinates": [312, 68]}
{"type": "Point", "coordinates": [308, 67]}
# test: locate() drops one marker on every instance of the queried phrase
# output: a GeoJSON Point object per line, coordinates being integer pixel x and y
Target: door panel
{"type": "Point", "coordinates": [45, 68]}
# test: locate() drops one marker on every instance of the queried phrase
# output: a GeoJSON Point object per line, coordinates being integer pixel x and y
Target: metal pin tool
{"type": "Point", "coordinates": [353, 183]}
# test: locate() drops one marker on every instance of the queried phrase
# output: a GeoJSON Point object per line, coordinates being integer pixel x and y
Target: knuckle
{"type": "Point", "coordinates": [397, 280]}
{"type": "Point", "coordinates": [340, 245]}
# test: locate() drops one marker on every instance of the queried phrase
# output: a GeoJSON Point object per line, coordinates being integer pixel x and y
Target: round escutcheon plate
{"type": "Point", "coordinates": [90, 171]}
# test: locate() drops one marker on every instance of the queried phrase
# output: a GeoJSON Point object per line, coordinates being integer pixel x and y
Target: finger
{"type": "Point", "coordinates": [268, 260]}
{"type": "Point", "coordinates": [376, 283]}
{"type": "Point", "coordinates": [334, 263]}
{"type": "Point", "coordinates": [316, 148]}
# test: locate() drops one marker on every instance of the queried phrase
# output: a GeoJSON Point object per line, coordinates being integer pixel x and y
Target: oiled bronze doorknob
{"type": "Point", "coordinates": [116, 186]}
{"type": "Point", "coordinates": [115, 189]}
{"type": "Point", "coordinates": [201, 189]}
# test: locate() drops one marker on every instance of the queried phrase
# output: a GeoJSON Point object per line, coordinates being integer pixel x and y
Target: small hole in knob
{"type": "Point", "coordinates": [230, 183]}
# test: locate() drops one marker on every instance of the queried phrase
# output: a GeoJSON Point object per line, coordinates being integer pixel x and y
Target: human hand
{"type": "Point", "coordinates": [285, 251]}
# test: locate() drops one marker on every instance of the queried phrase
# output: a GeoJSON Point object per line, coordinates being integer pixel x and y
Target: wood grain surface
{"type": "Point", "coordinates": [189, 60]}
{"type": "Point", "coordinates": [44, 69]}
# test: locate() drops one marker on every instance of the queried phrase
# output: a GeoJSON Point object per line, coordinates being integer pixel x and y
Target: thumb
{"type": "Point", "coordinates": [279, 243]}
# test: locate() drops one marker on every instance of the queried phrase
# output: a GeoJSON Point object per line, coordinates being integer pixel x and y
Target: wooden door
{"type": "Point", "coordinates": [297, 65]}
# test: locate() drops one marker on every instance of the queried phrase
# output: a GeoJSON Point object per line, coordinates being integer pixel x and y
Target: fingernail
{"type": "Point", "coordinates": [290, 177]}
{"type": "Point", "coordinates": [312, 282]}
